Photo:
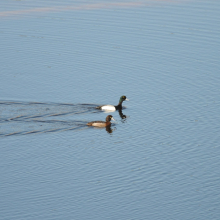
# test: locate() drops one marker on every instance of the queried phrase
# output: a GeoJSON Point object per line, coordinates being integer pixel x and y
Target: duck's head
{"type": "Point", "coordinates": [123, 98]}
{"type": "Point", "coordinates": [109, 118]}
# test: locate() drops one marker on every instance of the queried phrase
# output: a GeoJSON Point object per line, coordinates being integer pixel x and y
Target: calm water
{"type": "Point", "coordinates": [59, 60]}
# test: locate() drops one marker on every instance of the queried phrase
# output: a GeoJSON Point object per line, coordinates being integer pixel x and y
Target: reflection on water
{"type": "Point", "coordinates": [119, 111]}
{"type": "Point", "coordinates": [29, 9]}
{"type": "Point", "coordinates": [109, 128]}
{"type": "Point", "coordinates": [122, 115]}
{"type": "Point", "coordinates": [21, 118]}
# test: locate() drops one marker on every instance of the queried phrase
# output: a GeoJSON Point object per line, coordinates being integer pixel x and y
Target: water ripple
{"type": "Point", "coordinates": [21, 118]}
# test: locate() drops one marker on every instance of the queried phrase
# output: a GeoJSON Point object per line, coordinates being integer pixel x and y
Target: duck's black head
{"type": "Point", "coordinates": [123, 98]}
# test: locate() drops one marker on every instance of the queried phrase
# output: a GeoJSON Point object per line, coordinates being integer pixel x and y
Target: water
{"type": "Point", "coordinates": [62, 59]}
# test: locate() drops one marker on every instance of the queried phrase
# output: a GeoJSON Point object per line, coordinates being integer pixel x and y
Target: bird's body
{"type": "Point", "coordinates": [113, 107]}
{"type": "Point", "coordinates": [102, 123]}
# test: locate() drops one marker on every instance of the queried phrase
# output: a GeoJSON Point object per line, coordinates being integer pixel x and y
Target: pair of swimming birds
{"type": "Point", "coordinates": [109, 117]}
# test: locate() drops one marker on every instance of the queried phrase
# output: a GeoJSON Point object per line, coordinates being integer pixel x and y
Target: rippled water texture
{"type": "Point", "coordinates": [159, 159]}
{"type": "Point", "coordinates": [21, 118]}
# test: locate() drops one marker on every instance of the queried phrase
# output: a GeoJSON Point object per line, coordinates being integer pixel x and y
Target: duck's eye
{"type": "Point", "coordinates": [123, 97]}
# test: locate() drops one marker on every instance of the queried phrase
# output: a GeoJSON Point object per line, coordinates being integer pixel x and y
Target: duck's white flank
{"type": "Point", "coordinates": [108, 108]}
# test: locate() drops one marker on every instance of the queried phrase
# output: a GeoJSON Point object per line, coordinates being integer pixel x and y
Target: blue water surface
{"type": "Point", "coordinates": [61, 59]}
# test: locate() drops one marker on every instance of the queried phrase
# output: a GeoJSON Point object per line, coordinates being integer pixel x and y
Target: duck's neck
{"type": "Point", "coordinates": [108, 124]}
{"type": "Point", "coordinates": [119, 106]}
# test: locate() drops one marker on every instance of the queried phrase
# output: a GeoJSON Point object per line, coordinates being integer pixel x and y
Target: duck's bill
{"type": "Point", "coordinates": [127, 99]}
{"type": "Point", "coordinates": [113, 119]}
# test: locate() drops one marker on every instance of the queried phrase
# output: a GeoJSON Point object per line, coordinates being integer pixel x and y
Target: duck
{"type": "Point", "coordinates": [105, 123]}
{"type": "Point", "coordinates": [112, 107]}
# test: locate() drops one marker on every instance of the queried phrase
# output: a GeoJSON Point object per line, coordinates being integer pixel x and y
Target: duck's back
{"type": "Point", "coordinates": [99, 123]}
